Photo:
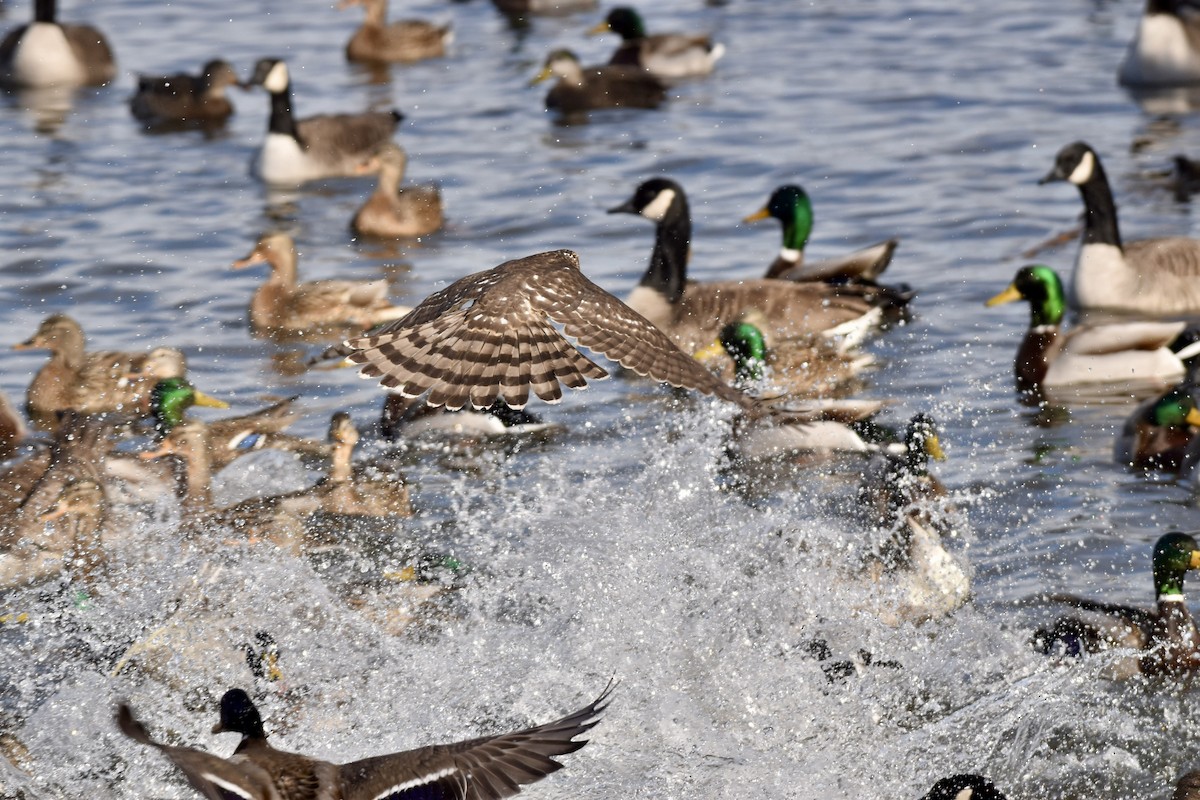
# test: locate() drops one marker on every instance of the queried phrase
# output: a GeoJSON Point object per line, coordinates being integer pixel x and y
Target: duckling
{"type": "Point", "coordinates": [1159, 434]}
{"type": "Point", "coordinates": [230, 437]}
{"type": "Point", "coordinates": [45, 53]}
{"type": "Point", "coordinates": [313, 148]}
{"type": "Point", "coordinates": [664, 55]}
{"type": "Point", "coordinates": [391, 211]}
{"type": "Point", "coordinates": [493, 337]}
{"type": "Point", "coordinates": [282, 304]}
{"type": "Point", "coordinates": [488, 767]}
{"type": "Point", "coordinates": [792, 207]}
{"type": "Point", "coordinates": [185, 98]}
{"type": "Point", "coordinates": [402, 40]}
{"type": "Point", "coordinates": [90, 383]}
{"type": "Point", "coordinates": [1165, 51]}
{"type": "Point", "coordinates": [1090, 363]}
{"type": "Point", "coordinates": [964, 787]}
{"type": "Point", "coordinates": [692, 314]}
{"type": "Point", "coordinates": [1167, 636]}
{"type": "Point", "coordinates": [581, 89]}
{"type": "Point", "coordinates": [1158, 277]}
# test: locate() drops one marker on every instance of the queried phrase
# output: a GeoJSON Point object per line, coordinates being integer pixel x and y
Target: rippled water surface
{"type": "Point", "coordinates": [615, 548]}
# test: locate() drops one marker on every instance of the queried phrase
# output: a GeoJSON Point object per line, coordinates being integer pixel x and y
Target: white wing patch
{"type": "Point", "coordinates": [240, 791]}
{"type": "Point", "coordinates": [424, 779]}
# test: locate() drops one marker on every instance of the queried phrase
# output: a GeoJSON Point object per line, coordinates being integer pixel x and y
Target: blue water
{"type": "Point", "coordinates": [610, 550]}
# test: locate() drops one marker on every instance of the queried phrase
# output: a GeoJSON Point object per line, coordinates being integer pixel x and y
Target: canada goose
{"type": "Point", "coordinates": [324, 146]}
{"type": "Point", "coordinates": [284, 304]}
{"type": "Point", "coordinates": [664, 55]}
{"type": "Point", "coordinates": [45, 53]}
{"type": "Point", "coordinates": [1165, 51]}
{"type": "Point", "coordinates": [792, 206]}
{"type": "Point", "coordinates": [1089, 363]}
{"type": "Point", "coordinates": [692, 314]}
{"type": "Point", "coordinates": [486, 768]}
{"type": "Point", "coordinates": [402, 40]}
{"type": "Point", "coordinates": [90, 383]}
{"type": "Point", "coordinates": [582, 88]}
{"type": "Point", "coordinates": [185, 98]}
{"type": "Point", "coordinates": [392, 211]}
{"type": "Point", "coordinates": [492, 335]}
{"type": "Point", "coordinates": [1151, 276]}
{"type": "Point", "coordinates": [1166, 636]}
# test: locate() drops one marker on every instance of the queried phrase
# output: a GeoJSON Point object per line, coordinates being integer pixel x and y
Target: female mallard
{"type": "Point", "coordinates": [313, 148]}
{"type": "Point", "coordinates": [1160, 433]}
{"type": "Point", "coordinates": [356, 491]}
{"type": "Point", "coordinates": [284, 305]}
{"type": "Point", "coordinates": [379, 41]}
{"type": "Point", "coordinates": [394, 212]}
{"type": "Point", "coordinates": [1167, 636]}
{"type": "Point", "coordinates": [230, 437]}
{"type": "Point", "coordinates": [1150, 276]}
{"type": "Point", "coordinates": [663, 55]}
{"type": "Point", "coordinates": [486, 768]}
{"type": "Point", "coordinates": [692, 314]}
{"type": "Point", "coordinates": [1089, 363]}
{"type": "Point", "coordinates": [1165, 51]}
{"type": "Point", "coordinates": [185, 98]}
{"type": "Point", "coordinates": [792, 207]}
{"type": "Point", "coordinates": [71, 543]}
{"type": "Point", "coordinates": [46, 53]}
{"type": "Point", "coordinates": [582, 88]}
{"type": "Point", "coordinates": [90, 383]}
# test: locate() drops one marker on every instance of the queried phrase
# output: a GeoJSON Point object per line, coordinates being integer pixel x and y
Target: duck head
{"type": "Point", "coordinates": [1174, 554]}
{"type": "Point", "coordinates": [921, 443]}
{"type": "Point", "coordinates": [964, 787]}
{"type": "Point", "coordinates": [1075, 163]}
{"type": "Point", "coordinates": [792, 206]}
{"type": "Point", "coordinates": [1042, 288]}
{"type": "Point", "coordinates": [172, 397]}
{"type": "Point", "coordinates": [623, 21]}
{"type": "Point", "coordinates": [239, 715]}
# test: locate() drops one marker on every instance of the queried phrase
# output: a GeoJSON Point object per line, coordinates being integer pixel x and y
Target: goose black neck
{"type": "Point", "coordinates": [282, 120]}
{"type": "Point", "coordinates": [44, 11]}
{"type": "Point", "coordinates": [1100, 212]}
{"type": "Point", "coordinates": [667, 272]}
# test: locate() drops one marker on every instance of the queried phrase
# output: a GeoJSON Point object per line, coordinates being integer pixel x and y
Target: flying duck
{"type": "Point", "coordinates": [1165, 51]}
{"type": "Point", "coordinates": [692, 314]}
{"type": "Point", "coordinates": [282, 304]}
{"type": "Point", "coordinates": [1089, 363]}
{"type": "Point", "coordinates": [492, 335]}
{"type": "Point", "coordinates": [1166, 636]}
{"type": "Point", "coordinates": [313, 148]}
{"type": "Point", "coordinates": [486, 768]}
{"type": "Point", "coordinates": [391, 211]}
{"type": "Point", "coordinates": [45, 53]}
{"type": "Point", "coordinates": [581, 89]}
{"type": "Point", "coordinates": [403, 40]}
{"type": "Point", "coordinates": [1158, 277]}
{"type": "Point", "coordinates": [664, 55]}
{"type": "Point", "coordinates": [185, 98]}
{"type": "Point", "coordinates": [791, 205]}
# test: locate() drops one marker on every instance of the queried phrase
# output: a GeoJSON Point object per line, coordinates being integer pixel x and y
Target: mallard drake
{"type": "Point", "coordinates": [692, 314]}
{"type": "Point", "coordinates": [582, 88]}
{"type": "Point", "coordinates": [1160, 432]}
{"type": "Point", "coordinates": [90, 383]}
{"type": "Point", "coordinates": [185, 98]}
{"type": "Point", "coordinates": [313, 148]}
{"type": "Point", "coordinates": [792, 206]}
{"type": "Point", "coordinates": [964, 787]}
{"type": "Point", "coordinates": [492, 335]}
{"type": "Point", "coordinates": [894, 482]}
{"type": "Point", "coordinates": [1165, 51]}
{"type": "Point", "coordinates": [1089, 363]}
{"type": "Point", "coordinates": [12, 429]}
{"type": "Point", "coordinates": [487, 768]}
{"type": "Point", "coordinates": [663, 55]}
{"type": "Point", "coordinates": [230, 437]}
{"type": "Point", "coordinates": [1166, 636]}
{"type": "Point", "coordinates": [409, 417]}
{"type": "Point", "coordinates": [394, 212]}
{"type": "Point", "coordinates": [46, 53]}
{"type": "Point", "coordinates": [1150, 276]}
{"type": "Point", "coordinates": [282, 304]}
{"type": "Point", "coordinates": [800, 370]}
{"type": "Point", "coordinates": [403, 40]}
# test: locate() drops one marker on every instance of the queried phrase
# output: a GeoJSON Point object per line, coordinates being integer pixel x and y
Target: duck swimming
{"type": "Point", "coordinates": [185, 98]}
{"type": "Point", "coordinates": [1160, 432]}
{"type": "Point", "coordinates": [403, 40]}
{"type": "Point", "coordinates": [664, 55]}
{"type": "Point", "coordinates": [581, 88]}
